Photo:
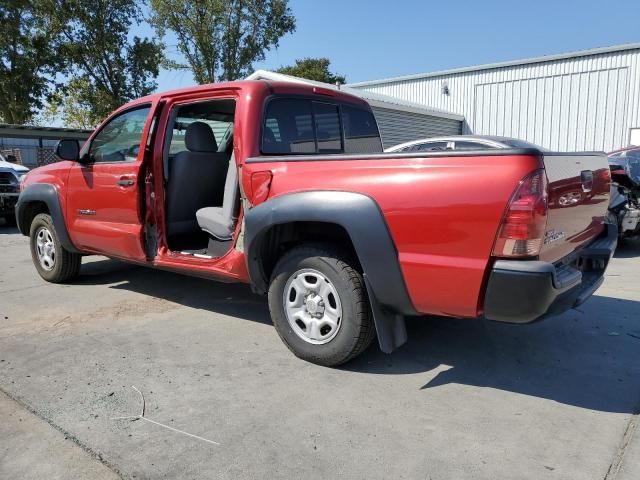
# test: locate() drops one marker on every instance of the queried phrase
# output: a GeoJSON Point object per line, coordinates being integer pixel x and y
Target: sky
{"type": "Point", "coordinates": [368, 40]}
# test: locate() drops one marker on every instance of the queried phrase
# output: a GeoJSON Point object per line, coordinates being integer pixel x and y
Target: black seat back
{"type": "Point", "coordinates": [196, 179]}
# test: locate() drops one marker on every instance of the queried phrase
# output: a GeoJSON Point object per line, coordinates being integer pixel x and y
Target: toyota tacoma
{"type": "Point", "coordinates": [286, 187]}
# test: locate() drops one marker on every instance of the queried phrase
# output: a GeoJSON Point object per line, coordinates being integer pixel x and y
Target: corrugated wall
{"type": "Point", "coordinates": [398, 127]}
{"type": "Point", "coordinates": [581, 103]}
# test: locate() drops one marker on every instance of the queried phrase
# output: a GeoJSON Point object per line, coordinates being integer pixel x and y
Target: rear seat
{"type": "Point", "coordinates": [221, 221]}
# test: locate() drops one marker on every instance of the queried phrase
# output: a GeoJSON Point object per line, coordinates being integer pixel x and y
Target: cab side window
{"type": "Point", "coordinates": [119, 139]}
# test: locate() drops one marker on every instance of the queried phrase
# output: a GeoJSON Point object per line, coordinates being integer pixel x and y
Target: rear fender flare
{"type": "Point", "coordinates": [48, 194]}
{"type": "Point", "coordinates": [360, 216]}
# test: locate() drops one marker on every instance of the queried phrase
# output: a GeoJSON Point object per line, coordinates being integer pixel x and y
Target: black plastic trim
{"type": "Point", "coordinates": [384, 155]}
{"type": "Point", "coordinates": [364, 222]}
{"type": "Point", "coordinates": [523, 291]}
{"type": "Point", "coordinates": [47, 193]}
{"type": "Point", "coordinates": [362, 219]}
{"type": "Point", "coordinates": [391, 328]}
{"type": "Point", "coordinates": [325, 157]}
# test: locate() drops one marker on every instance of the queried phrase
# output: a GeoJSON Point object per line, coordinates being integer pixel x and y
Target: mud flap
{"type": "Point", "coordinates": [390, 327]}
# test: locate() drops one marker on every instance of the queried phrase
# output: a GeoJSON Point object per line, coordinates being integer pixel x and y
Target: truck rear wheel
{"type": "Point", "coordinates": [52, 261]}
{"type": "Point", "coordinates": [319, 306]}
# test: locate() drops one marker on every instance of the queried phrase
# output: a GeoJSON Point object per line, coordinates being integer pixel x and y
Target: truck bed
{"type": "Point", "coordinates": [443, 209]}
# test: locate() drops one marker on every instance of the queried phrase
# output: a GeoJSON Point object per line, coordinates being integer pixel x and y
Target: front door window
{"type": "Point", "coordinates": [119, 140]}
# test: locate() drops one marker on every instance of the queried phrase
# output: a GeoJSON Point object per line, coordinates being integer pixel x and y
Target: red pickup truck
{"type": "Point", "coordinates": [286, 187]}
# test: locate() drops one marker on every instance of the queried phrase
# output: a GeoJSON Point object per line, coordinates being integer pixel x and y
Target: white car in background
{"type": "Point", "coordinates": [10, 176]}
{"type": "Point", "coordinates": [460, 142]}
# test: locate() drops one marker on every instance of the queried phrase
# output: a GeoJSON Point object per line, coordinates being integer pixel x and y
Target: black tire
{"type": "Point", "coordinates": [66, 265]}
{"type": "Point", "coordinates": [356, 330]}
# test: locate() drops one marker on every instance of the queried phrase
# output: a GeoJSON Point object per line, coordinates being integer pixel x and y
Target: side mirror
{"type": "Point", "coordinates": [68, 149]}
{"type": "Point", "coordinates": [12, 159]}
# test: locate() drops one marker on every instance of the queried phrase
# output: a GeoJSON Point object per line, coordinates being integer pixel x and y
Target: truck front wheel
{"type": "Point", "coordinates": [52, 261]}
{"type": "Point", "coordinates": [319, 306]}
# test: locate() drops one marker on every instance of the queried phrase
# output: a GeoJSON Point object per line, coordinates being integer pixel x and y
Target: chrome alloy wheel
{"type": "Point", "coordinates": [45, 249]}
{"type": "Point", "coordinates": [312, 306]}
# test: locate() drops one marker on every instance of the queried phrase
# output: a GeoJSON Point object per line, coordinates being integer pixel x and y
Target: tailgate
{"type": "Point", "coordinates": [578, 201]}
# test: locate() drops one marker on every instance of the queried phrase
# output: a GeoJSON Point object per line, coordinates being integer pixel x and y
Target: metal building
{"type": "Point", "coordinates": [587, 100]}
{"type": "Point", "coordinates": [398, 120]}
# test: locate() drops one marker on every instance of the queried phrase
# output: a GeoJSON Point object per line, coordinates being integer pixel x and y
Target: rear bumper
{"type": "Point", "coordinates": [522, 291]}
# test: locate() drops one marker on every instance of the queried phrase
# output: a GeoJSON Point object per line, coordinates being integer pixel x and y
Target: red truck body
{"type": "Point", "coordinates": [443, 211]}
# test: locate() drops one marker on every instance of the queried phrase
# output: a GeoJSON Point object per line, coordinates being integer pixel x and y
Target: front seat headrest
{"type": "Point", "coordinates": [199, 138]}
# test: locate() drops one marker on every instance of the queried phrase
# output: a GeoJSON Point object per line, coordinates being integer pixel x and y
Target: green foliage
{"type": "Point", "coordinates": [104, 68]}
{"type": "Point", "coordinates": [220, 39]}
{"type": "Point", "coordinates": [28, 58]}
{"type": "Point", "coordinates": [71, 104]}
{"type": "Point", "coordinates": [313, 69]}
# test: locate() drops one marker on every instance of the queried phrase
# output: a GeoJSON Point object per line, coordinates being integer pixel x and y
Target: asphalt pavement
{"type": "Point", "coordinates": [223, 397]}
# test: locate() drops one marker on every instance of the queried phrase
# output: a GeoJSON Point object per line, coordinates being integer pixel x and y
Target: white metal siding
{"type": "Point", "coordinates": [577, 103]}
{"type": "Point", "coordinates": [398, 127]}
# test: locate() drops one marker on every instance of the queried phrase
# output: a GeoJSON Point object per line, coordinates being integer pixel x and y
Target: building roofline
{"type": "Point", "coordinates": [509, 63]}
{"type": "Point", "coordinates": [374, 99]}
{"type": "Point", "coordinates": [8, 130]}
{"type": "Point", "coordinates": [46, 129]}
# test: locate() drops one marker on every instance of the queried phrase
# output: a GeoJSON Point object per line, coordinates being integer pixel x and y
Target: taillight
{"type": "Point", "coordinates": [521, 232]}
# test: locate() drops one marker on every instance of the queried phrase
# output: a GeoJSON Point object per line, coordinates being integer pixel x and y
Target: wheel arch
{"type": "Point", "coordinates": [348, 215]}
{"type": "Point", "coordinates": [42, 198]}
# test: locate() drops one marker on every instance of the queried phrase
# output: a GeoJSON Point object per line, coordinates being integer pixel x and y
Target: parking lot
{"type": "Point", "coordinates": [463, 399]}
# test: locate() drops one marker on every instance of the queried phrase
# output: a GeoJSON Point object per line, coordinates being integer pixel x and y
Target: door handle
{"type": "Point", "coordinates": [125, 182]}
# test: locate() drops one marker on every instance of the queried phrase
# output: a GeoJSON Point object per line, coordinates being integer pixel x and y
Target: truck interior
{"type": "Point", "coordinates": [202, 199]}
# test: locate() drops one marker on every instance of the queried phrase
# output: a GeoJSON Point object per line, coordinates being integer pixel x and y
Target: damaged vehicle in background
{"type": "Point", "coordinates": [461, 142]}
{"type": "Point", "coordinates": [11, 174]}
{"type": "Point", "coordinates": [624, 206]}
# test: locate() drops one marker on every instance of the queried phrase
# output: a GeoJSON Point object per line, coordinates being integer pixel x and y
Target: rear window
{"type": "Point", "coordinates": [360, 131]}
{"type": "Point", "coordinates": [328, 129]}
{"type": "Point", "coordinates": [288, 127]}
{"type": "Point", "coordinates": [305, 126]}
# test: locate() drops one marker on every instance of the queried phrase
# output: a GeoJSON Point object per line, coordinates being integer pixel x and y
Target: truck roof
{"type": "Point", "coordinates": [253, 86]}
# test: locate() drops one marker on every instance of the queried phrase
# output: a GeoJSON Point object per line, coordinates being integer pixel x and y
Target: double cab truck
{"type": "Point", "coordinates": [286, 187]}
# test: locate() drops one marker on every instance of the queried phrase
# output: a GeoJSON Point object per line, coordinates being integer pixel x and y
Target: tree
{"type": "Point", "coordinates": [104, 68]}
{"type": "Point", "coordinates": [220, 39]}
{"type": "Point", "coordinates": [72, 105]}
{"type": "Point", "coordinates": [313, 69]}
{"type": "Point", "coordinates": [28, 58]}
